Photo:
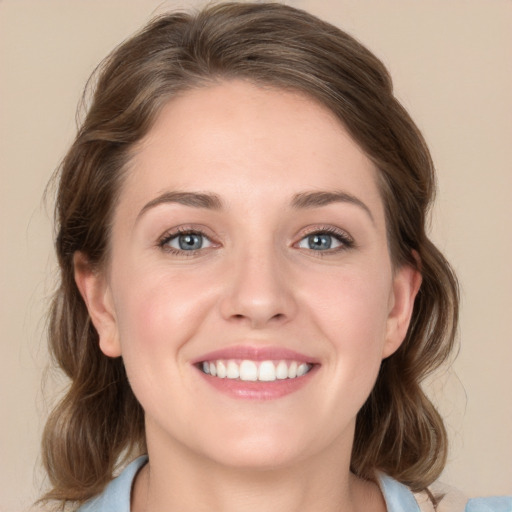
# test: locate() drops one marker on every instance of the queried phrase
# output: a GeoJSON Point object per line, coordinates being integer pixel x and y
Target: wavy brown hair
{"type": "Point", "coordinates": [98, 424]}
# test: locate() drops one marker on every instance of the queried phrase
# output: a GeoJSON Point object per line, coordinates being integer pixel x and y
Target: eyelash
{"type": "Point", "coordinates": [180, 231]}
{"type": "Point", "coordinates": [346, 241]}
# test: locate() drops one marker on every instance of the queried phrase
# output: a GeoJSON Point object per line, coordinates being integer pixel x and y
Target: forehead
{"type": "Point", "coordinates": [245, 142]}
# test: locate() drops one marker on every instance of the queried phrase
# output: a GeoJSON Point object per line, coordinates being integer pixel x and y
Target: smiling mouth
{"type": "Point", "coordinates": [252, 371]}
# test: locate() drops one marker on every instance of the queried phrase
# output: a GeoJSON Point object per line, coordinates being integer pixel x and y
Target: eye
{"type": "Point", "coordinates": [326, 240]}
{"type": "Point", "coordinates": [186, 241]}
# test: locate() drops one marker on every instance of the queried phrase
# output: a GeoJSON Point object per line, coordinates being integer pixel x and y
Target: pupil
{"type": "Point", "coordinates": [319, 242]}
{"type": "Point", "coordinates": [190, 242]}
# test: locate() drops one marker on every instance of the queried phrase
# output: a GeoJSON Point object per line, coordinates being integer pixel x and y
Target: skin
{"type": "Point", "coordinates": [256, 282]}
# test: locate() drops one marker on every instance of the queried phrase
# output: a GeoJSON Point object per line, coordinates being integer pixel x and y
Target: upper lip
{"type": "Point", "coordinates": [255, 353]}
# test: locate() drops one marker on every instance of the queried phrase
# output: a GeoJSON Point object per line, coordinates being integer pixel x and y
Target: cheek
{"type": "Point", "coordinates": [353, 306]}
{"type": "Point", "coordinates": [157, 316]}
{"type": "Point", "coordinates": [351, 311]}
{"type": "Point", "coordinates": [159, 310]}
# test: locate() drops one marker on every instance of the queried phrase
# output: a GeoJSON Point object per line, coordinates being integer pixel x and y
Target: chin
{"type": "Point", "coordinates": [262, 447]}
{"type": "Point", "coordinates": [257, 455]}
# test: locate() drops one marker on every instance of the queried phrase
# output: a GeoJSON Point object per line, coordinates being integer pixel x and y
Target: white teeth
{"type": "Point", "coordinates": [247, 370]}
{"type": "Point", "coordinates": [233, 370]}
{"type": "Point", "coordinates": [282, 370]}
{"type": "Point", "coordinates": [302, 370]}
{"type": "Point", "coordinates": [221, 370]}
{"type": "Point", "coordinates": [267, 371]}
{"type": "Point", "coordinates": [292, 370]}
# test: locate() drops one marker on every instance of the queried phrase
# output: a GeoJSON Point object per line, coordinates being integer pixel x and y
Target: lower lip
{"type": "Point", "coordinates": [258, 390]}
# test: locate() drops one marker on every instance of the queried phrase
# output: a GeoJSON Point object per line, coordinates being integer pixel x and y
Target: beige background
{"type": "Point", "coordinates": [451, 64]}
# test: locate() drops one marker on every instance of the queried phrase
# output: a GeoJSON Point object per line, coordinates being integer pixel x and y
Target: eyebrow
{"type": "Point", "coordinates": [317, 199]}
{"type": "Point", "coordinates": [193, 199]}
{"type": "Point", "coordinates": [210, 201]}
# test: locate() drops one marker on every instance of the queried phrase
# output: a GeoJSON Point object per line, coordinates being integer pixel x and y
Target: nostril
{"type": "Point", "coordinates": [257, 305]}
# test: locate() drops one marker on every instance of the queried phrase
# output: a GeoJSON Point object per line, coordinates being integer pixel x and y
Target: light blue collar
{"type": "Point", "coordinates": [399, 498]}
{"type": "Point", "coordinates": [117, 494]}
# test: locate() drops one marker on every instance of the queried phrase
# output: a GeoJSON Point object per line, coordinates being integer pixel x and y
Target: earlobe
{"type": "Point", "coordinates": [406, 284]}
{"type": "Point", "coordinates": [95, 291]}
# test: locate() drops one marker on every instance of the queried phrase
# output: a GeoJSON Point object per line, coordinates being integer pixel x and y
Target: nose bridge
{"type": "Point", "coordinates": [257, 291]}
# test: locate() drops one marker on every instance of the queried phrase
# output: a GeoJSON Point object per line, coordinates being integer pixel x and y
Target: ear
{"type": "Point", "coordinates": [97, 296]}
{"type": "Point", "coordinates": [406, 283]}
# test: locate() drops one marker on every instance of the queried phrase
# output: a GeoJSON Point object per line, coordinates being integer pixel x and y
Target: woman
{"type": "Point", "coordinates": [248, 293]}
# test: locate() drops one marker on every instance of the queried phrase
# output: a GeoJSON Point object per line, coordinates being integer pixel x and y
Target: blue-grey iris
{"type": "Point", "coordinates": [319, 242]}
{"type": "Point", "coordinates": [190, 242]}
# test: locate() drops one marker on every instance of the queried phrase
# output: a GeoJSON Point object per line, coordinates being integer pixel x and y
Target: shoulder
{"type": "Point", "coordinates": [453, 500]}
{"type": "Point", "coordinates": [116, 495]}
{"type": "Point", "coordinates": [446, 498]}
{"type": "Point", "coordinates": [491, 504]}
{"type": "Point", "coordinates": [438, 498]}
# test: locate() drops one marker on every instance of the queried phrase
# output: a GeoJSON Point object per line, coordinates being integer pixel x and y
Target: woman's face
{"type": "Point", "coordinates": [249, 241]}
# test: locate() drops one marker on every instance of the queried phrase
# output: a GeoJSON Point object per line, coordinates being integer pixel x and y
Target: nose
{"type": "Point", "coordinates": [258, 292]}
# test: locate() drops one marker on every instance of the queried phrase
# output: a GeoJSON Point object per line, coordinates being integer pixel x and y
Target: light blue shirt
{"type": "Point", "coordinates": [116, 496]}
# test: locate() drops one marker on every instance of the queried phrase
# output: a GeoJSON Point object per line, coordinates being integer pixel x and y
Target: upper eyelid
{"type": "Point", "coordinates": [173, 233]}
{"type": "Point", "coordinates": [345, 240]}
{"type": "Point", "coordinates": [186, 228]}
{"type": "Point", "coordinates": [331, 230]}
{"type": "Point", "coordinates": [303, 233]}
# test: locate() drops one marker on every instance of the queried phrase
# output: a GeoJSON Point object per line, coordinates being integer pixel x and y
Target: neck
{"type": "Point", "coordinates": [180, 480]}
